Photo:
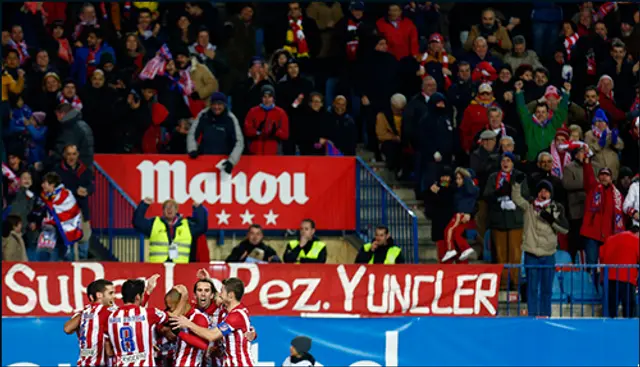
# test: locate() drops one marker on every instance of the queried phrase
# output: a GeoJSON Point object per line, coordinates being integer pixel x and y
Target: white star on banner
{"type": "Point", "coordinates": [271, 217]}
{"type": "Point", "coordinates": [223, 217]}
{"type": "Point", "coordinates": [247, 217]}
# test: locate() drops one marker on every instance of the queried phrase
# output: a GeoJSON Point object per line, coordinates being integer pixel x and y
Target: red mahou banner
{"type": "Point", "coordinates": [57, 289]}
{"type": "Point", "coordinates": [275, 192]}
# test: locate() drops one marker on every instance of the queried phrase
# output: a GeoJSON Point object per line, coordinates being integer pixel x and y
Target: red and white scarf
{"type": "Point", "coordinates": [598, 199]}
{"type": "Point", "coordinates": [64, 50]}
{"type": "Point", "coordinates": [559, 162]}
{"type": "Point", "coordinates": [157, 67]}
{"type": "Point", "coordinates": [540, 205]}
{"type": "Point", "coordinates": [354, 41]}
{"type": "Point", "coordinates": [199, 49]}
{"type": "Point", "coordinates": [21, 47]}
{"type": "Point", "coordinates": [14, 181]}
{"type": "Point", "coordinates": [64, 213]}
{"type": "Point", "coordinates": [597, 132]}
{"type": "Point", "coordinates": [502, 178]}
{"type": "Point", "coordinates": [569, 42]}
{"type": "Point", "coordinates": [80, 27]}
{"type": "Point", "coordinates": [75, 101]}
{"type": "Point", "coordinates": [542, 123]}
{"type": "Point", "coordinates": [296, 41]}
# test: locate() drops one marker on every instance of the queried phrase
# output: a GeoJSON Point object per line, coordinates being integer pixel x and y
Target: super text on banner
{"type": "Point", "coordinates": [275, 192]}
{"type": "Point", "coordinates": [51, 289]}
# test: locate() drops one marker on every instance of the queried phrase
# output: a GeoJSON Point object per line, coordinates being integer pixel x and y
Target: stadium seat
{"type": "Point", "coordinates": [562, 279]}
{"type": "Point", "coordinates": [584, 289]}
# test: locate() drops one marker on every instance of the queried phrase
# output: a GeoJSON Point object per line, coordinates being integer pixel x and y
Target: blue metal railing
{"type": "Point", "coordinates": [377, 204]}
{"type": "Point", "coordinates": [112, 211]}
{"type": "Point", "coordinates": [575, 290]}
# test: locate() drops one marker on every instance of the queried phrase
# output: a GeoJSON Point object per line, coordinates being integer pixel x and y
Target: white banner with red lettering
{"type": "Point", "coordinates": [56, 289]}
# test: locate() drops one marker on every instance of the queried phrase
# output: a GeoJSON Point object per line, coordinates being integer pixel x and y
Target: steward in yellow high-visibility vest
{"type": "Point", "coordinates": [170, 236]}
{"type": "Point", "coordinates": [307, 248]}
{"type": "Point", "coordinates": [381, 251]}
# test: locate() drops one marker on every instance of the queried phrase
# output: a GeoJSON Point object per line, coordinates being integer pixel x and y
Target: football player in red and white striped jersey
{"type": "Point", "coordinates": [233, 328]}
{"type": "Point", "coordinates": [131, 327]}
{"type": "Point", "coordinates": [87, 323]}
{"type": "Point", "coordinates": [190, 348]}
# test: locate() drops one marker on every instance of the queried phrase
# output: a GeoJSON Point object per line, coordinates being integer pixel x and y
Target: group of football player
{"type": "Point", "coordinates": [214, 330]}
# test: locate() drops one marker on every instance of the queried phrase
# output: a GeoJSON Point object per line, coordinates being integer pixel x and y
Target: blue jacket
{"type": "Point", "coordinates": [198, 222]}
{"type": "Point", "coordinates": [546, 12]}
{"type": "Point", "coordinates": [34, 136]}
{"type": "Point", "coordinates": [465, 197]}
{"type": "Point", "coordinates": [79, 67]}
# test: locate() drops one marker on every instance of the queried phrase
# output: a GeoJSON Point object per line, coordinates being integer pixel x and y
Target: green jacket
{"type": "Point", "coordinates": [540, 138]}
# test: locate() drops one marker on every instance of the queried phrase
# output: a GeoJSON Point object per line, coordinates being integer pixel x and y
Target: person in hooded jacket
{"type": "Point", "coordinates": [73, 131]}
{"type": "Point", "coordinates": [293, 93]}
{"type": "Point", "coordinates": [299, 353]}
{"type": "Point", "coordinates": [219, 131]}
{"type": "Point", "coordinates": [464, 205]}
{"type": "Point", "coordinates": [439, 141]}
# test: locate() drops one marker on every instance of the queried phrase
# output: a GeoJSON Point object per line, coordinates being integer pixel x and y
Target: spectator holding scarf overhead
{"type": "Point", "coordinates": [604, 143]}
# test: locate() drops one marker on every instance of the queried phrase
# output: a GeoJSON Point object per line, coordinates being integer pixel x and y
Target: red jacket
{"type": "Point", "coordinates": [265, 129]}
{"type": "Point", "coordinates": [474, 120]}
{"type": "Point", "coordinates": [622, 249]}
{"type": "Point", "coordinates": [617, 116]}
{"type": "Point", "coordinates": [598, 223]}
{"type": "Point", "coordinates": [402, 41]}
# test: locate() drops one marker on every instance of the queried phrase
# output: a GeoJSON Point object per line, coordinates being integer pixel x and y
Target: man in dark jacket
{"type": "Point", "coordinates": [73, 131]}
{"type": "Point", "coordinates": [78, 179]}
{"type": "Point", "coordinates": [381, 251]}
{"type": "Point", "coordinates": [415, 110]}
{"type": "Point", "coordinates": [543, 172]}
{"type": "Point", "coordinates": [253, 248]}
{"type": "Point", "coordinates": [294, 93]}
{"type": "Point", "coordinates": [220, 132]}
{"type": "Point", "coordinates": [438, 139]}
{"type": "Point", "coordinates": [342, 131]}
{"type": "Point", "coordinates": [461, 92]}
{"type": "Point", "coordinates": [247, 94]}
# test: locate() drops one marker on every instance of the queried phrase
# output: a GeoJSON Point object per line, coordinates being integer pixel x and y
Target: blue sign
{"type": "Point", "coordinates": [401, 341]}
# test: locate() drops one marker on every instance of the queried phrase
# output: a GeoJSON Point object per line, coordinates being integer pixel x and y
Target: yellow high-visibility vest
{"type": "Point", "coordinates": [392, 253]}
{"type": "Point", "coordinates": [159, 242]}
{"type": "Point", "coordinates": [311, 253]}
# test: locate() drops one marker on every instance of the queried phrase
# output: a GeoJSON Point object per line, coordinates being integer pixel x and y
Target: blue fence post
{"type": "Point", "coordinates": [141, 236]}
{"type": "Point", "coordinates": [110, 221]}
{"type": "Point", "coordinates": [383, 206]}
{"type": "Point", "coordinates": [416, 253]}
{"type": "Point", "coordinates": [358, 213]}
{"type": "Point", "coordinates": [605, 291]}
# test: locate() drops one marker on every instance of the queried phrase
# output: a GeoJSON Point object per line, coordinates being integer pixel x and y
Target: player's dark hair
{"type": "Point", "coordinates": [383, 228]}
{"type": "Point", "coordinates": [132, 288]}
{"type": "Point", "coordinates": [208, 281]}
{"type": "Point", "coordinates": [97, 286]}
{"type": "Point", "coordinates": [234, 285]}
{"type": "Point", "coordinates": [310, 221]}
{"type": "Point", "coordinates": [256, 226]}
{"type": "Point", "coordinates": [52, 178]}
{"type": "Point", "coordinates": [173, 296]}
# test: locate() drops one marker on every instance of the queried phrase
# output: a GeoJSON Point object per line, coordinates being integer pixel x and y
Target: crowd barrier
{"type": "Point", "coordinates": [369, 291]}
{"type": "Point", "coordinates": [287, 189]}
{"type": "Point", "coordinates": [401, 341]}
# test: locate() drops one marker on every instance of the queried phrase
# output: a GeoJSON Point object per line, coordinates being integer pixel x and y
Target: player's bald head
{"type": "Point", "coordinates": [171, 299]}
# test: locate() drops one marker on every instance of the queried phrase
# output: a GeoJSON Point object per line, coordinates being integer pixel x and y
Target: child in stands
{"type": "Point", "coordinates": [464, 203]}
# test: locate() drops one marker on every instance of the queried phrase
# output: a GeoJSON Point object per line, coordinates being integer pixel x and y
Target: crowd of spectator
{"type": "Point", "coordinates": [481, 107]}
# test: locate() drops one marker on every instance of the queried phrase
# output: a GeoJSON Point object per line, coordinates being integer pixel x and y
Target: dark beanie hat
{"type": "Point", "coordinates": [302, 344]}
{"type": "Point", "coordinates": [268, 89]}
{"type": "Point", "coordinates": [218, 97]}
{"type": "Point", "coordinates": [544, 184]}
{"type": "Point", "coordinates": [625, 172]}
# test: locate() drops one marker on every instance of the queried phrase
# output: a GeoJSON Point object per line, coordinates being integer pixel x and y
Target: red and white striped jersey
{"type": "Point", "coordinates": [92, 334]}
{"type": "Point", "coordinates": [131, 330]}
{"type": "Point", "coordinates": [190, 347]}
{"type": "Point", "coordinates": [233, 328]}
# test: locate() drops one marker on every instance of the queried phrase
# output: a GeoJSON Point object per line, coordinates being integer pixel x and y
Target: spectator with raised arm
{"type": "Point", "coordinates": [170, 235]}
{"type": "Point", "coordinates": [544, 219]}
{"type": "Point", "coordinates": [605, 143]}
{"type": "Point", "coordinates": [539, 128]}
